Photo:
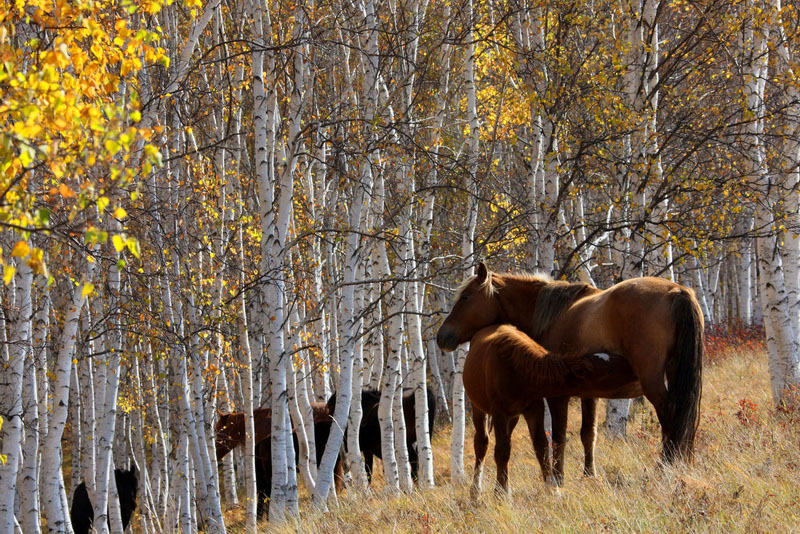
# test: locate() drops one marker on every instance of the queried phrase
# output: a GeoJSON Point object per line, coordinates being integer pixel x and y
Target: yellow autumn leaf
{"type": "Point", "coordinates": [133, 245]}
{"type": "Point", "coordinates": [20, 250]}
{"type": "Point", "coordinates": [120, 213]}
{"type": "Point", "coordinates": [118, 242]}
{"type": "Point", "coordinates": [8, 273]}
{"type": "Point", "coordinates": [87, 289]}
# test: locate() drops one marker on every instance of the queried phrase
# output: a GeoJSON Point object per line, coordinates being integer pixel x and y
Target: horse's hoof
{"type": "Point", "coordinates": [502, 493]}
{"type": "Point", "coordinates": [554, 484]}
{"type": "Point", "coordinates": [474, 493]}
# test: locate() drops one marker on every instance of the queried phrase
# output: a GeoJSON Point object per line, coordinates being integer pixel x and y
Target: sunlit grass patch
{"type": "Point", "coordinates": [745, 476]}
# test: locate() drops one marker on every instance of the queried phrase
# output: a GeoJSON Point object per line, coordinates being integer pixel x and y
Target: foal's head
{"type": "Point", "coordinates": [476, 306]}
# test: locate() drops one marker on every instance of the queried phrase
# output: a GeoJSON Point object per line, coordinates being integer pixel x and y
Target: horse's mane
{"type": "Point", "coordinates": [486, 286]}
{"type": "Point", "coordinates": [553, 297]}
{"type": "Point", "coordinates": [532, 359]}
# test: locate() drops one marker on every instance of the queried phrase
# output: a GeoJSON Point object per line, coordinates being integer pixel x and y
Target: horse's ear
{"type": "Point", "coordinates": [481, 272]}
{"type": "Point", "coordinates": [219, 413]}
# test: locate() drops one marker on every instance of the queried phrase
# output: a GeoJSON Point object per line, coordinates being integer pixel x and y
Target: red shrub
{"type": "Point", "coordinates": [721, 340]}
{"type": "Point", "coordinates": [748, 413]}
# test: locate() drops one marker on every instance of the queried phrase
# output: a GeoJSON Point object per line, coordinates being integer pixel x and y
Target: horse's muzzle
{"type": "Point", "coordinates": [446, 339]}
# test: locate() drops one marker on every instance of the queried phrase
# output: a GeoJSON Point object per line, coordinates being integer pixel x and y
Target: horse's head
{"type": "Point", "coordinates": [476, 306]}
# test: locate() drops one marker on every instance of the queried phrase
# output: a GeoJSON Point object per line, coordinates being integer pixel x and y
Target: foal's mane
{"type": "Point", "coordinates": [532, 359]}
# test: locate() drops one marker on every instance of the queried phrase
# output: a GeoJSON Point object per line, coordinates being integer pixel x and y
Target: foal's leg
{"type": "Point", "coordinates": [558, 411]}
{"type": "Point", "coordinates": [503, 427]}
{"type": "Point", "coordinates": [481, 444]}
{"type": "Point", "coordinates": [588, 434]}
{"type": "Point", "coordinates": [535, 420]}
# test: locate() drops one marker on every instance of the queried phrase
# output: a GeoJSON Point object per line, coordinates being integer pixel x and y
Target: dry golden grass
{"type": "Point", "coordinates": [745, 477]}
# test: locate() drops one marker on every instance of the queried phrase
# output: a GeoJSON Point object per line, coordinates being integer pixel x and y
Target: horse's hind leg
{"type": "Point", "coordinates": [535, 420]}
{"type": "Point", "coordinates": [656, 392]}
{"type": "Point", "coordinates": [588, 434]}
{"type": "Point", "coordinates": [559, 411]}
{"type": "Point", "coordinates": [503, 427]}
{"type": "Point", "coordinates": [481, 443]}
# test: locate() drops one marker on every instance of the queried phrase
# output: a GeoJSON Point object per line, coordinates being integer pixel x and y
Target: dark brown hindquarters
{"type": "Point", "coordinates": [684, 379]}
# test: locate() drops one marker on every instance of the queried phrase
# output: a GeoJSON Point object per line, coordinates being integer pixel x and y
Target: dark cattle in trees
{"type": "Point", "coordinates": [370, 432]}
{"type": "Point", "coordinates": [82, 515]}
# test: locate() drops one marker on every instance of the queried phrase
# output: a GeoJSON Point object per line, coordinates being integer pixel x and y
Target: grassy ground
{"type": "Point", "coordinates": [745, 477]}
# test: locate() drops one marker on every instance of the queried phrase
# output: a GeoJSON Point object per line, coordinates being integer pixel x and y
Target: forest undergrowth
{"type": "Point", "coordinates": [745, 476]}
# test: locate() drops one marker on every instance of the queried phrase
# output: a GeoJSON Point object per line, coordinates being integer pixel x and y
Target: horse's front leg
{"type": "Point", "coordinates": [503, 427]}
{"type": "Point", "coordinates": [558, 412]}
{"type": "Point", "coordinates": [480, 443]}
{"type": "Point", "coordinates": [534, 417]}
{"type": "Point", "coordinates": [588, 434]}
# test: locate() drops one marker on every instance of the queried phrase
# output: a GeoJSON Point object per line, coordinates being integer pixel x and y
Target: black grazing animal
{"type": "Point", "coordinates": [82, 515]}
{"type": "Point", "coordinates": [370, 432]}
{"type": "Point", "coordinates": [322, 429]}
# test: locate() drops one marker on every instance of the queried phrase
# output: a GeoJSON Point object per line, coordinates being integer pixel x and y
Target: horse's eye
{"type": "Point", "coordinates": [465, 296]}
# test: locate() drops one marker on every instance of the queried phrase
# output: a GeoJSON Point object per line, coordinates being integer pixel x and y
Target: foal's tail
{"type": "Point", "coordinates": [684, 378]}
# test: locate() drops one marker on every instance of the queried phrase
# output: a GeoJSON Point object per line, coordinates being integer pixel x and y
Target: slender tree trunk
{"type": "Point", "coordinates": [54, 496]}
{"type": "Point", "coordinates": [467, 250]}
{"type": "Point", "coordinates": [21, 350]}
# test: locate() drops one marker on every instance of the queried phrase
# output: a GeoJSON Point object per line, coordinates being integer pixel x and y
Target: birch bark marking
{"type": "Point", "coordinates": [12, 401]}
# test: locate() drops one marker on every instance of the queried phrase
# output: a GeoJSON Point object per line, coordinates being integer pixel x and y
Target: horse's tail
{"type": "Point", "coordinates": [684, 377]}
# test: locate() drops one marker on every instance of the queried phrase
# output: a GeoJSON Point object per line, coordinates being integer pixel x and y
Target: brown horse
{"type": "Point", "coordinates": [230, 426]}
{"type": "Point", "coordinates": [655, 324]}
{"type": "Point", "coordinates": [506, 374]}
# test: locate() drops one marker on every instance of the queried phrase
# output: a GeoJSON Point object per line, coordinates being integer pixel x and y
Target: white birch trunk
{"type": "Point", "coordinates": [782, 341]}
{"type": "Point", "coordinates": [789, 163]}
{"type": "Point", "coordinates": [108, 417]}
{"type": "Point", "coordinates": [247, 399]}
{"type": "Point", "coordinates": [467, 250]}
{"type": "Point", "coordinates": [20, 350]}
{"type": "Point", "coordinates": [745, 294]}
{"type": "Point", "coordinates": [417, 355]}
{"type": "Point", "coordinates": [390, 377]}
{"type": "Point", "coordinates": [54, 497]}
{"type": "Point", "coordinates": [29, 506]}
